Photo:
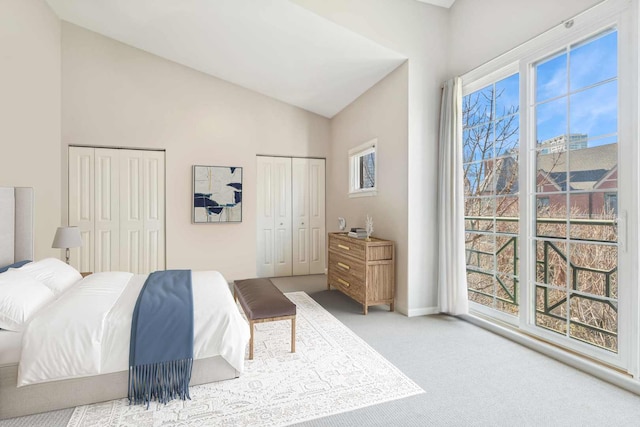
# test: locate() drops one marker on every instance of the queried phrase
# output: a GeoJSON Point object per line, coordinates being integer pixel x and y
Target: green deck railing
{"type": "Point", "coordinates": [549, 248]}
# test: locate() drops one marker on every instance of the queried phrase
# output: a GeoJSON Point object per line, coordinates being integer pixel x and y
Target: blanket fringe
{"type": "Point", "coordinates": [162, 382]}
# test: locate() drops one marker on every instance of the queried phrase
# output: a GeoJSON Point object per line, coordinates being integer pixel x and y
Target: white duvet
{"type": "Point", "coordinates": [87, 331]}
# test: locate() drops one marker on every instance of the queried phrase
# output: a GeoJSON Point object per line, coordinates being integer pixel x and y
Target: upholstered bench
{"type": "Point", "coordinates": [262, 302]}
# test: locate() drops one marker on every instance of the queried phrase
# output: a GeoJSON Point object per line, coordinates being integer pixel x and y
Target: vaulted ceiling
{"type": "Point", "coordinates": [273, 47]}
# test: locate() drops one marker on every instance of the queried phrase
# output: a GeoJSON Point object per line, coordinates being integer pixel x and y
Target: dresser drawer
{"type": "Point", "coordinates": [346, 265]}
{"type": "Point", "coordinates": [350, 247]}
{"type": "Point", "coordinates": [352, 286]}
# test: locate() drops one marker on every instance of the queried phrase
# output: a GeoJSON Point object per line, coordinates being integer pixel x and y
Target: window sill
{"type": "Point", "coordinates": [364, 193]}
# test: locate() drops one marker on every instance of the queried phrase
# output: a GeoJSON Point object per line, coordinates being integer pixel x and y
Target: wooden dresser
{"type": "Point", "coordinates": [363, 270]}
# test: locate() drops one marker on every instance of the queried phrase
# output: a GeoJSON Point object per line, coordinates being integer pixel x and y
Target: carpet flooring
{"type": "Point", "coordinates": [471, 377]}
{"type": "Point", "coordinates": [332, 371]}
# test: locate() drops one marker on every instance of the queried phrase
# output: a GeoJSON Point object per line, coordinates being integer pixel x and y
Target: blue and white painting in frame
{"type": "Point", "coordinates": [217, 194]}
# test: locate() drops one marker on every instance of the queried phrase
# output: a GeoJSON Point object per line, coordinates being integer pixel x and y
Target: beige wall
{"type": "Point", "coordinates": [118, 96]}
{"type": "Point", "coordinates": [420, 32]}
{"type": "Point", "coordinates": [482, 30]}
{"type": "Point", "coordinates": [382, 113]}
{"type": "Point", "coordinates": [30, 110]}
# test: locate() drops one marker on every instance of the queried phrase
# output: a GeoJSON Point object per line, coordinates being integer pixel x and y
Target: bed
{"type": "Point", "coordinates": [93, 314]}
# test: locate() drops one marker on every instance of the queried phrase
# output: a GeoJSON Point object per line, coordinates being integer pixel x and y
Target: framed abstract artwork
{"type": "Point", "coordinates": [217, 194]}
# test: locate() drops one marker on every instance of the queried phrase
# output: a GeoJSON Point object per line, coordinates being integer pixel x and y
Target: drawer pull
{"type": "Point", "coordinates": [346, 248]}
{"type": "Point", "coordinates": [344, 282]}
{"type": "Point", "coordinates": [345, 266]}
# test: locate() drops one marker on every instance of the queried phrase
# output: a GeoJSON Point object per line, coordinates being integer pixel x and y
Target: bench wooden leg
{"type": "Point", "coordinates": [293, 335]}
{"type": "Point", "coordinates": [251, 341]}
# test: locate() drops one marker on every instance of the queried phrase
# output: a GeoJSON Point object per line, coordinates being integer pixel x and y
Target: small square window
{"type": "Point", "coordinates": [363, 170]}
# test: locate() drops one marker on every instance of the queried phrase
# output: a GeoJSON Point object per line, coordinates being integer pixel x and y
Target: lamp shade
{"type": "Point", "coordinates": [67, 237]}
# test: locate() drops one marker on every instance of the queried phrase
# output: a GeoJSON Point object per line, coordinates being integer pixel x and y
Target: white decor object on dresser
{"type": "Point", "coordinates": [362, 269]}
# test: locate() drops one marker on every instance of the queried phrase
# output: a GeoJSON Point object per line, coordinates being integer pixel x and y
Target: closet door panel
{"type": "Point", "coordinates": [264, 221]}
{"type": "Point", "coordinates": [81, 205]}
{"type": "Point", "coordinates": [316, 221]}
{"type": "Point", "coordinates": [153, 210]}
{"type": "Point", "coordinates": [131, 210]}
{"type": "Point", "coordinates": [282, 215]}
{"type": "Point", "coordinates": [273, 257]}
{"type": "Point", "coordinates": [107, 211]}
{"type": "Point", "coordinates": [300, 200]}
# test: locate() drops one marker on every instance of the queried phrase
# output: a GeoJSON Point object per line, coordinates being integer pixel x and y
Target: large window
{"type": "Point", "coordinates": [551, 186]}
{"type": "Point", "coordinates": [491, 126]}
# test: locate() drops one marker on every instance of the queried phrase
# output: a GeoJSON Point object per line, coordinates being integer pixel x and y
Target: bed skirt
{"type": "Point", "coordinates": [50, 396]}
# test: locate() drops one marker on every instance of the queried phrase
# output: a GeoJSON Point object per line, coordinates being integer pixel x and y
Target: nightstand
{"type": "Point", "coordinates": [86, 273]}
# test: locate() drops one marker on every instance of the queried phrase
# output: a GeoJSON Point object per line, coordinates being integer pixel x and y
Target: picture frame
{"type": "Point", "coordinates": [217, 194]}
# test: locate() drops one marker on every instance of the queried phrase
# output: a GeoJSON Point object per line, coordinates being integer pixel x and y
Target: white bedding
{"type": "Point", "coordinates": [10, 344]}
{"type": "Point", "coordinates": [86, 331]}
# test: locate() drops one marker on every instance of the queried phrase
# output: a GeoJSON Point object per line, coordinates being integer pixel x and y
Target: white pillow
{"type": "Point", "coordinates": [21, 296]}
{"type": "Point", "coordinates": [53, 273]}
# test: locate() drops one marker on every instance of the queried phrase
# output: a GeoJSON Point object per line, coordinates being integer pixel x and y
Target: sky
{"type": "Point", "coordinates": [571, 95]}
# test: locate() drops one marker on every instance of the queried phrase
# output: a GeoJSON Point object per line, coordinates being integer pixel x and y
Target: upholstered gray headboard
{"type": "Point", "coordinates": [16, 224]}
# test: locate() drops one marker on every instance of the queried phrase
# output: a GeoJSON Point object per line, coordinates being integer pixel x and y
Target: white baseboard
{"type": "Point", "coordinates": [424, 311]}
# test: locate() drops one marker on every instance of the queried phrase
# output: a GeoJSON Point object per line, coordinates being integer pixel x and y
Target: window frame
{"type": "Point", "coordinates": [354, 156]}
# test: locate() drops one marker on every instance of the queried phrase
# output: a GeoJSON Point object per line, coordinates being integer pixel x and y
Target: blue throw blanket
{"type": "Point", "coordinates": [161, 352]}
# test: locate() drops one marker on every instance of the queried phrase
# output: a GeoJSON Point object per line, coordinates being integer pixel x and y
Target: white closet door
{"type": "Point", "coordinates": [300, 189]}
{"type": "Point", "coordinates": [153, 210]}
{"type": "Point", "coordinates": [107, 211]}
{"type": "Point", "coordinates": [282, 216]}
{"type": "Point", "coordinates": [265, 221]}
{"type": "Point", "coordinates": [116, 197]}
{"type": "Point", "coordinates": [81, 204]}
{"type": "Point", "coordinates": [308, 216]}
{"type": "Point", "coordinates": [317, 229]}
{"type": "Point", "coordinates": [142, 211]}
{"type": "Point", "coordinates": [131, 210]}
{"type": "Point", "coordinates": [274, 216]}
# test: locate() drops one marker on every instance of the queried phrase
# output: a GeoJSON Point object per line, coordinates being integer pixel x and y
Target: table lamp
{"type": "Point", "coordinates": [67, 237]}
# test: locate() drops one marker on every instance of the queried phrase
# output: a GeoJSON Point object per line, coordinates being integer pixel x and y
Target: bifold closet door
{"type": "Point", "coordinates": [116, 198]}
{"type": "Point", "coordinates": [273, 257]}
{"type": "Point", "coordinates": [141, 211]}
{"type": "Point", "coordinates": [308, 188]}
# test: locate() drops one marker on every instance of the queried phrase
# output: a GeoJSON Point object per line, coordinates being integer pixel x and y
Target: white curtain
{"type": "Point", "coordinates": [452, 276]}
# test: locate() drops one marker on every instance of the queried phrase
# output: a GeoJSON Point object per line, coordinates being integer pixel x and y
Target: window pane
{"type": "Point", "coordinates": [551, 121]}
{"type": "Point", "coordinates": [366, 168]}
{"type": "Point", "coordinates": [551, 168]}
{"type": "Point", "coordinates": [592, 268]}
{"type": "Point", "coordinates": [595, 322]}
{"type": "Point", "coordinates": [507, 135]}
{"type": "Point", "coordinates": [478, 179]}
{"type": "Point", "coordinates": [551, 309]}
{"type": "Point", "coordinates": [594, 61]}
{"type": "Point", "coordinates": [594, 111]}
{"type": "Point", "coordinates": [478, 213]}
{"type": "Point", "coordinates": [477, 143]}
{"type": "Point", "coordinates": [480, 250]}
{"type": "Point", "coordinates": [507, 96]}
{"type": "Point", "coordinates": [551, 260]}
{"type": "Point", "coordinates": [551, 215]}
{"type": "Point", "coordinates": [551, 78]}
{"type": "Point", "coordinates": [477, 107]}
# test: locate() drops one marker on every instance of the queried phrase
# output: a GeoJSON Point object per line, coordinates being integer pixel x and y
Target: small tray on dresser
{"type": "Point", "coordinates": [362, 269]}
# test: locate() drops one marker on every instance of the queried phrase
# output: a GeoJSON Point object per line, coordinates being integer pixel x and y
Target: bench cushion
{"type": "Point", "coordinates": [260, 299]}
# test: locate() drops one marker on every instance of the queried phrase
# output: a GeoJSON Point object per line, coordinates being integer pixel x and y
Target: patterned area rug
{"type": "Point", "coordinates": [332, 371]}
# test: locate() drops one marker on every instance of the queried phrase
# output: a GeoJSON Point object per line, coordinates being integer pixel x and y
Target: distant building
{"type": "Point", "coordinates": [558, 144]}
{"type": "Point", "coordinates": [591, 172]}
